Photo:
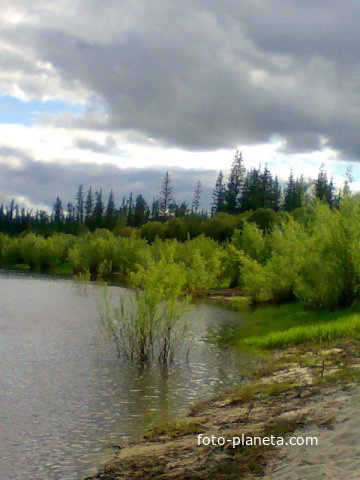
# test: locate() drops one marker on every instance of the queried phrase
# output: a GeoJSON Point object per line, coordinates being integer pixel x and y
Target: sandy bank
{"type": "Point", "coordinates": [301, 391]}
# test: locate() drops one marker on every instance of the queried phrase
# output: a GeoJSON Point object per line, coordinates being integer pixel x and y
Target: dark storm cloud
{"type": "Point", "coordinates": [206, 75]}
{"type": "Point", "coordinates": [39, 183]}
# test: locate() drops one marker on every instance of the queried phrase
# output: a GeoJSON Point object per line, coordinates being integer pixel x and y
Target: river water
{"type": "Point", "coordinates": [66, 399]}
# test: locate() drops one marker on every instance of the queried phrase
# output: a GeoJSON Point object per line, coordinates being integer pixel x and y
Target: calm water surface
{"type": "Point", "coordinates": [66, 399]}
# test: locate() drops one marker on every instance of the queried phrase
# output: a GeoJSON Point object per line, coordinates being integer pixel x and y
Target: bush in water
{"type": "Point", "coordinates": [146, 321]}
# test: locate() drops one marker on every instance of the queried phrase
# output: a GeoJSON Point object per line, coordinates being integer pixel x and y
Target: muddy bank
{"type": "Point", "coordinates": [298, 389]}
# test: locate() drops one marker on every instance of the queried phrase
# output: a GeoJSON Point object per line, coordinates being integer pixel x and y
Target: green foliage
{"type": "Point", "coordinates": [148, 321]}
{"type": "Point", "coordinates": [265, 218]}
{"type": "Point", "coordinates": [317, 262]}
{"type": "Point", "coordinates": [151, 230]}
{"type": "Point", "coordinates": [290, 324]}
{"type": "Point", "coordinates": [251, 241]}
{"type": "Point", "coordinates": [204, 262]}
{"type": "Point", "coordinates": [330, 272]}
{"type": "Point", "coordinates": [322, 332]}
{"type": "Point", "coordinates": [221, 227]}
{"type": "Point", "coordinates": [255, 279]}
{"type": "Point", "coordinates": [176, 429]}
{"type": "Point", "coordinates": [4, 241]}
{"type": "Point", "coordinates": [42, 254]}
{"type": "Point", "coordinates": [11, 254]}
{"type": "Point", "coordinates": [104, 255]}
{"type": "Point", "coordinates": [312, 255]}
{"type": "Point", "coordinates": [158, 290]}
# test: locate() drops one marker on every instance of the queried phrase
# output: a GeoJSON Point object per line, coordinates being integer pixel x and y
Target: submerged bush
{"type": "Point", "coordinates": [146, 322]}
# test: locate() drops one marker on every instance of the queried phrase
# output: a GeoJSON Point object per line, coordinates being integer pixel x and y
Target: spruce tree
{"type": "Point", "coordinates": [155, 209]}
{"type": "Point", "coordinates": [252, 197]}
{"type": "Point", "coordinates": [110, 209]}
{"type": "Point", "coordinates": [165, 197]}
{"type": "Point", "coordinates": [110, 212]}
{"type": "Point", "coordinates": [276, 195]}
{"type": "Point", "coordinates": [98, 209]}
{"type": "Point", "coordinates": [218, 195]}
{"type": "Point", "coordinates": [300, 192]}
{"type": "Point", "coordinates": [89, 206]}
{"type": "Point", "coordinates": [80, 204]}
{"type": "Point", "coordinates": [58, 213]}
{"type": "Point", "coordinates": [235, 183]}
{"type": "Point", "coordinates": [141, 212]}
{"type": "Point", "coordinates": [181, 210]}
{"type": "Point", "coordinates": [130, 210]}
{"type": "Point", "coordinates": [291, 194]}
{"type": "Point", "coordinates": [324, 190]}
{"type": "Point", "coordinates": [197, 198]}
{"type": "Point", "coordinates": [70, 214]}
{"type": "Point", "coordinates": [266, 190]}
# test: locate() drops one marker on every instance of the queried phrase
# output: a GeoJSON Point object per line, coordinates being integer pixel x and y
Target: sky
{"type": "Point", "coordinates": [112, 94]}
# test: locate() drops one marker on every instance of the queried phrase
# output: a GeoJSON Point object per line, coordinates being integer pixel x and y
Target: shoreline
{"type": "Point", "coordinates": [300, 388]}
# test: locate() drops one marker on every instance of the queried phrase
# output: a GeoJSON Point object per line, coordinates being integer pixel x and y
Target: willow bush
{"type": "Point", "coordinates": [146, 322]}
{"type": "Point", "coordinates": [103, 255]}
{"type": "Point", "coordinates": [318, 262]}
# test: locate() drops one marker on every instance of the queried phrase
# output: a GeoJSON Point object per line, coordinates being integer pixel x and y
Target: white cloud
{"type": "Point", "coordinates": [184, 83]}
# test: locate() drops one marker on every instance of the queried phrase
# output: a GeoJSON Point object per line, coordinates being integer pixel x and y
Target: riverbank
{"type": "Point", "coordinates": [299, 388]}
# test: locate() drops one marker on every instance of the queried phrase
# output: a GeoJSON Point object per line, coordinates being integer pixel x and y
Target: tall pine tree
{"type": "Point", "coordinates": [165, 197]}
{"type": "Point", "coordinates": [235, 183]}
{"type": "Point", "coordinates": [89, 206]}
{"type": "Point", "coordinates": [80, 204]}
{"type": "Point", "coordinates": [98, 212]}
{"type": "Point", "coordinates": [324, 190]}
{"type": "Point", "coordinates": [195, 208]}
{"type": "Point", "coordinates": [218, 195]}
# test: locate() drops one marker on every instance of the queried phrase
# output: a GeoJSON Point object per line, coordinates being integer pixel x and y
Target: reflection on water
{"type": "Point", "coordinates": [65, 397]}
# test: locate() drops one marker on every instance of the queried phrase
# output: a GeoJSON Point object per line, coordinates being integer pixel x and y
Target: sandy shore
{"type": "Point", "coordinates": [338, 453]}
{"type": "Point", "coordinates": [312, 393]}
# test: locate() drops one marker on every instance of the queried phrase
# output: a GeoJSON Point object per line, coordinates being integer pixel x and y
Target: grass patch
{"type": "Point", "coordinates": [289, 324]}
{"type": "Point", "coordinates": [177, 429]}
{"type": "Point", "coordinates": [248, 392]}
{"type": "Point", "coordinates": [17, 266]}
{"type": "Point", "coordinates": [239, 304]}
{"type": "Point", "coordinates": [250, 461]}
{"type": "Point", "coordinates": [342, 375]}
{"type": "Point", "coordinates": [62, 269]}
{"type": "Point", "coordinates": [348, 326]}
{"type": "Point", "coordinates": [280, 428]}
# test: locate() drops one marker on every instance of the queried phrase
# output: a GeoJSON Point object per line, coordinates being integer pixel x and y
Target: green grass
{"type": "Point", "coordinates": [248, 392]}
{"type": "Point", "coordinates": [239, 304]}
{"type": "Point", "coordinates": [178, 428]}
{"type": "Point", "coordinates": [16, 266]}
{"type": "Point", "coordinates": [349, 326]}
{"type": "Point", "coordinates": [62, 269]}
{"type": "Point", "coordinates": [286, 325]}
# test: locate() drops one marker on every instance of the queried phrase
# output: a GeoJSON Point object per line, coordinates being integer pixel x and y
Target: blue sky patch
{"type": "Point", "coordinates": [14, 110]}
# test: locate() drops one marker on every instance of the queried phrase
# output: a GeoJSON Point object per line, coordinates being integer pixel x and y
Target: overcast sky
{"type": "Point", "coordinates": [113, 93]}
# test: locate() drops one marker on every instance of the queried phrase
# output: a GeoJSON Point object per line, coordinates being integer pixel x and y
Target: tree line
{"type": "Point", "coordinates": [243, 191]}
